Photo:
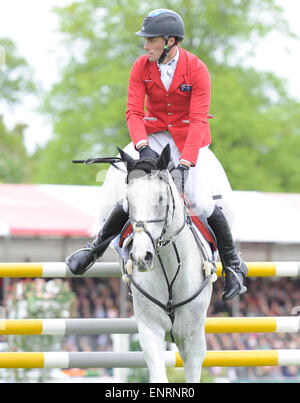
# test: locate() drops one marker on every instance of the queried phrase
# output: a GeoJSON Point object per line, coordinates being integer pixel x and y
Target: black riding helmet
{"type": "Point", "coordinates": [165, 23]}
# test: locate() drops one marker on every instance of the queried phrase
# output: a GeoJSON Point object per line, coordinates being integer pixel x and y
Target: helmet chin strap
{"type": "Point", "coordinates": [166, 50]}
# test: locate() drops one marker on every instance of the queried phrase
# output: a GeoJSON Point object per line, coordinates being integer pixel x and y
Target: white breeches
{"type": "Point", "coordinates": [207, 182]}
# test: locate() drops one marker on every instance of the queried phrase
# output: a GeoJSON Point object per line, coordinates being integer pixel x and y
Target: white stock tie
{"type": "Point", "coordinates": [167, 71]}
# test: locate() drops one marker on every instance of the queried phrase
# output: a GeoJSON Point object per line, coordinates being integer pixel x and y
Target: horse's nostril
{"type": "Point", "coordinates": [148, 257]}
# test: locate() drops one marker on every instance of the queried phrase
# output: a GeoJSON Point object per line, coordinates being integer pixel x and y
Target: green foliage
{"type": "Point", "coordinates": [255, 132]}
{"type": "Point", "coordinates": [176, 375]}
{"type": "Point", "coordinates": [15, 74]}
{"type": "Point", "coordinates": [15, 164]}
{"type": "Point", "coordinates": [15, 81]}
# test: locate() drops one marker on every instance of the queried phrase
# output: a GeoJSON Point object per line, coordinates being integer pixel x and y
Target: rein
{"type": "Point", "coordinates": [105, 160]}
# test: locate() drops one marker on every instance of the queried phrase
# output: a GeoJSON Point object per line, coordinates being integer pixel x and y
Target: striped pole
{"type": "Point", "coordinates": [279, 324]}
{"type": "Point", "coordinates": [56, 269]}
{"type": "Point", "coordinates": [111, 269]}
{"type": "Point", "coordinates": [229, 358]}
{"type": "Point", "coordinates": [67, 326]}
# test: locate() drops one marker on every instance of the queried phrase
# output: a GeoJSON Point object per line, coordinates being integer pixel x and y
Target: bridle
{"type": "Point", "coordinates": [141, 226]}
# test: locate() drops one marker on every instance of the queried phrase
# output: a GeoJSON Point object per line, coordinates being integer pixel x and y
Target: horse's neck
{"type": "Point", "coordinates": [184, 240]}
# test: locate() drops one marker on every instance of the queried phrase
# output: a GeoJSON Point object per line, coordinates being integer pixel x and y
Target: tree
{"type": "Point", "coordinates": [14, 161]}
{"type": "Point", "coordinates": [252, 110]}
{"type": "Point", "coordinates": [15, 74]}
{"type": "Point", "coordinates": [15, 80]}
{"type": "Point", "coordinates": [256, 137]}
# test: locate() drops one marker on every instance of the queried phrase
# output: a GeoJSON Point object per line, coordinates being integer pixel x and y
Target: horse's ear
{"type": "Point", "coordinates": [127, 159]}
{"type": "Point", "coordinates": [164, 158]}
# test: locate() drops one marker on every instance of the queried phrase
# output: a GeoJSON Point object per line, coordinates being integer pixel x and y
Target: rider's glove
{"type": "Point", "coordinates": [147, 152]}
{"type": "Point", "coordinates": [179, 176]}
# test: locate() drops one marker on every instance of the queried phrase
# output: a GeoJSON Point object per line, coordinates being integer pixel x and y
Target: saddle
{"type": "Point", "coordinates": [199, 222]}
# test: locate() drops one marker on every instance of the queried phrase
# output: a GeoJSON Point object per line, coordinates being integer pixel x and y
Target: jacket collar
{"type": "Point", "coordinates": [180, 71]}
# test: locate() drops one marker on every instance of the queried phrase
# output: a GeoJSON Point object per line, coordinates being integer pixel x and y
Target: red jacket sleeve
{"type": "Point", "coordinates": [199, 109]}
{"type": "Point", "coordinates": [135, 111]}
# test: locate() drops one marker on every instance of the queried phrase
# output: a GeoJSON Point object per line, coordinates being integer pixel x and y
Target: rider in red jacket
{"type": "Point", "coordinates": [177, 110]}
{"type": "Point", "coordinates": [182, 112]}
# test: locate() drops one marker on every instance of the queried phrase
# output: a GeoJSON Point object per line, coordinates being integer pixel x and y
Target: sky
{"type": "Point", "coordinates": [31, 25]}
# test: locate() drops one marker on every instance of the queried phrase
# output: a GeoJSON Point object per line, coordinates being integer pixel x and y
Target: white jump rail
{"type": "Point", "coordinates": [229, 358]}
{"type": "Point", "coordinates": [91, 326]}
{"type": "Point", "coordinates": [111, 269]}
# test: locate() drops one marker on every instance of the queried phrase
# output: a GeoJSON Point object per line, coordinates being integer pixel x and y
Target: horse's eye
{"type": "Point", "coordinates": [160, 199]}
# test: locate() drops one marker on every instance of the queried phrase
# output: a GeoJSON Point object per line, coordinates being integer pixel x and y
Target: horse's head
{"type": "Point", "coordinates": [149, 195]}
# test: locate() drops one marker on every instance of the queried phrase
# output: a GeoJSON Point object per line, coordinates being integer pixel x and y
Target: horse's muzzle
{"type": "Point", "coordinates": [143, 263]}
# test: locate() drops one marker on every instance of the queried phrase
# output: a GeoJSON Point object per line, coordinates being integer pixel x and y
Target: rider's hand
{"type": "Point", "coordinates": [146, 152]}
{"type": "Point", "coordinates": [179, 176]}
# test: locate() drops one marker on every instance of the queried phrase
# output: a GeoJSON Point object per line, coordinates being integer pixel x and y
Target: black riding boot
{"type": "Point", "coordinates": [79, 262]}
{"type": "Point", "coordinates": [234, 267]}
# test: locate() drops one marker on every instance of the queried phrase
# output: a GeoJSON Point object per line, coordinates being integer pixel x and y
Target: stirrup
{"type": "Point", "coordinates": [234, 272]}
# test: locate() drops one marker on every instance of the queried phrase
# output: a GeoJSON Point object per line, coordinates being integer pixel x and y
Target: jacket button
{"type": "Point", "coordinates": [169, 125]}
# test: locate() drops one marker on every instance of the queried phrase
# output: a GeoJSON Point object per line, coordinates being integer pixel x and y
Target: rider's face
{"type": "Point", "coordinates": [154, 47]}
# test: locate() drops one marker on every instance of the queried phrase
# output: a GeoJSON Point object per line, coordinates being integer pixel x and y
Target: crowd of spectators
{"type": "Point", "coordinates": [265, 297]}
{"type": "Point", "coordinates": [100, 298]}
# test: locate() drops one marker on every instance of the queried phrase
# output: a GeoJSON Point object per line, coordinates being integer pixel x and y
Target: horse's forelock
{"type": "Point", "coordinates": [142, 167]}
{"type": "Point", "coordinates": [146, 170]}
{"type": "Point", "coordinates": [146, 164]}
